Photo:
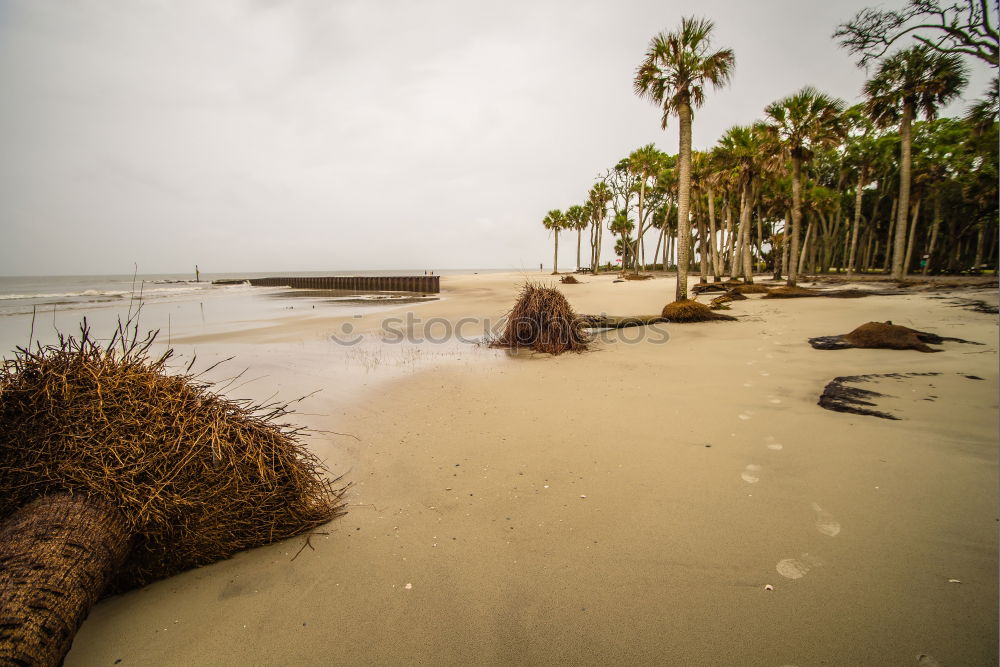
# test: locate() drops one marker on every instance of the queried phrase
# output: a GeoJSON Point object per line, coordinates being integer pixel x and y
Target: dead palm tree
{"type": "Point", "coordinates": [802, 123]}
{"type": "Point", "coordinates": [673, 75]}
{"type": "Point", "coordinates": [911, 82]}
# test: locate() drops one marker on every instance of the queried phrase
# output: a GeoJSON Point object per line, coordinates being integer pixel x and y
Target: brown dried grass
{"type": "Point", "coordinates": [637, 276]}
{"type": "Point", "coordinates": [569, 280]}
{"type": "Point", "coordinates": [689, 310]}
{"type": "Point", "coordinates": [542, 320]}
{"type": "Point", "coordinates": [197, 476]}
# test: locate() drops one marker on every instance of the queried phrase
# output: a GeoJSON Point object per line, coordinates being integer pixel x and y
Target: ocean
{"type": "Point", "coordinates": [38, 308]}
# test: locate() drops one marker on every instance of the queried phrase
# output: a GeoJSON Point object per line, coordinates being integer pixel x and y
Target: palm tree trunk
{"type": "Point", "coordinates": [934, 232]}
{"type": "Point", "coordinates": [888, 239]}
{"type": "Point", "coordinates": [656, 253]}
{"type": "Point", "coordinates": [786, 237]}
{"type": "Point", "coordinates": [555, 256]}
{"type": "Point", "coordinates": [913, 235]}
{"type": "Point", "coordinates": [703, 251]}
{"type": "Point", "coordinates": [980, 246]}
{"type": "Point", "coordinates": [744, 241]}
{"type": "Point", "coordinates": [905, 161]}
{"type": "Point", "coordinates": [857, 223]}
{"type": "Point", "coordinates": [579, 237]}
{"type": "Point", "coordinates": [683, 199]}
{"type": "Point", "coordinates": [803, 255]}
{"type": "Point", "coordinates": [57, 555]}
{"type": "Point", "coordinates": [730, 240]}
{"type": "Point", "coordinates": [716, 267]}
{"type": "Point", "coordinates": [793, 256]}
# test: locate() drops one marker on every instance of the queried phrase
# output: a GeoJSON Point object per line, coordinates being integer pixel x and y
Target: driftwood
{"type": "Point", "coordinates": [617, 322]}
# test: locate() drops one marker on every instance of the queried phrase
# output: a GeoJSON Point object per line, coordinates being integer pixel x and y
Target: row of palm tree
{"type": "Point", "coordinates": [808, 157]}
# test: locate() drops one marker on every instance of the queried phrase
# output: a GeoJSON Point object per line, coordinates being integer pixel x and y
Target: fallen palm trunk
{"type": "Point", "coordinates": [115, 473]}
{"type": "Point", "coordinates": [57, 554]}
{"type": "Point", "coordinates": [803, 292]}
{"type": "Point", "coordinates": [617, 322]}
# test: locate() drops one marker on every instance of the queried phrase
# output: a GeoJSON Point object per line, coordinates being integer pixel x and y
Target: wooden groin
{"type": "Point", "coordinates": [422, 284]}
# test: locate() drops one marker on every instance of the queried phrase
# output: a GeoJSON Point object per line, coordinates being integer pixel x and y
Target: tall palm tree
{"type": "Point", "coordinates": [744, 148]}
{"type": "Point", "coordinates": [644, 163]}
{"type": "Point", "coordinates": [577, 217]}
{"type": "Point", "coordinates": [803, 122]}
{"type": "Point", "coordinates": [914, 81]}
{"type": "Point", "coordinates": [555, 220]}
{"type": "Point", "coordinates": [673, 76]}
{"type": "Point", "coordinates": [859, 154]}
{"type": "Point", "coordinates": [598, 198]}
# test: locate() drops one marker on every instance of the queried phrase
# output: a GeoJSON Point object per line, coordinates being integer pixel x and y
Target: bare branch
{"type": "Point", "coordinates": [963, 27]}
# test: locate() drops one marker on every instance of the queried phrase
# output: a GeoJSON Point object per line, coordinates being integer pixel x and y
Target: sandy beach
{"type": "Point", "coordinates": [673, 496]}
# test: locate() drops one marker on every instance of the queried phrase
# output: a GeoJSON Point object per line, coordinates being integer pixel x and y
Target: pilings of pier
{"type": "Point", "coordinates": [422, 284]}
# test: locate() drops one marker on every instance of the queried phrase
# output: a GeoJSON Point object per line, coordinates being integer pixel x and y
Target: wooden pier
{"type": "Point", "coordinates": [421, 284]}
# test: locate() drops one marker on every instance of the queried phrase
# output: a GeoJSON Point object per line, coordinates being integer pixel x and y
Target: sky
{"type": "Point", "coordinates": [311, 135]}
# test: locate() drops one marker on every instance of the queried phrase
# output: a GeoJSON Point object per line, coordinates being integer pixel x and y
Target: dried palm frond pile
{"type": "Point", "coordinates": [637, 276]}
{"type": "Point", "coordinates": [689, 310]}
{"type": "Point", "coordinates": [569, 280]}
{"type": "Point", "coordinates": [542, 320]}
{"type": "Point", "coordinates": [195, 476]}
{"type": "Point", "coordinates": [751, 288]}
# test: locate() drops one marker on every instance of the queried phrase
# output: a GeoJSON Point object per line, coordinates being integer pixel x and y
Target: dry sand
{"type": "Point", "coordinates": [628, 504]}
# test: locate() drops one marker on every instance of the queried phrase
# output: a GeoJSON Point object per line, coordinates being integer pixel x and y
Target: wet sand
{"type": "Point", "coordinates": [629, 504]}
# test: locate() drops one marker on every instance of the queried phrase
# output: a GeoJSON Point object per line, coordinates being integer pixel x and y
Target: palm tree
{"type": "Point", "coordinates": [744, 149]}
{"type": "Point", "coordinates": [914, 81]}
{"type": "Point", "coordinates": [673, 76]}
{"type": "Point", "coordinates": [621, 224]}
{"type": "Point", "coordinates": [577, 217]}
{"type": "Point", "coordinates": [803, 122]}
{"type": "Point", "coordinates": [859, 154]}
{"type": "Point", "coordinates": [598, 198]}
{"type": "Point", "coordinates": [644, 163]}
{"type": "Point", "coordinates": [555, 220]}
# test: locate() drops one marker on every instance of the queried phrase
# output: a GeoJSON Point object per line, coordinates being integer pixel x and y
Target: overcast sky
{"type": "Point", "coordinates": [263, 135]}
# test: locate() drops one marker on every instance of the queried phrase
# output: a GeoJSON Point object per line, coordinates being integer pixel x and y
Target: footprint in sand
{"type": "Point", "coordinates": [749, 475]}
{"type": "Point", "coordinates": [774, 401]}
{"type": "Point", "coordinates": [744, 416]}
{"type": "Point", "coordinates": [825, 523]}
{"type": "Point", "coordinates": [772, 445]}
{"type": "Point", "coordinates": [796, 568]}
{"type": "Point", "coordinates": [764, 373]}
{"type": "Point", "coordinates": [748, 384]}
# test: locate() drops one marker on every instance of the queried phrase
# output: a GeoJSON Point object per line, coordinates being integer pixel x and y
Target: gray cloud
{"type": "Point", "coordinates": [268, 135]}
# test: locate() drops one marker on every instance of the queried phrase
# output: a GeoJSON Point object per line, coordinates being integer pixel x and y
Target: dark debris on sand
{"type": "Point", "coordinates": [840, 397]}
{"type": "Point", "coordinates": [884, 335]}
